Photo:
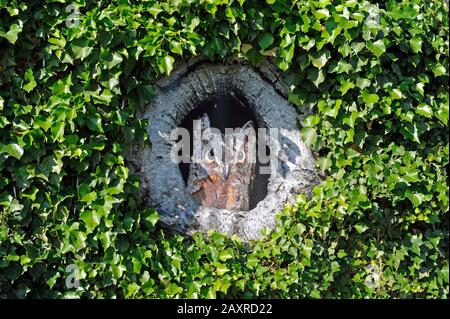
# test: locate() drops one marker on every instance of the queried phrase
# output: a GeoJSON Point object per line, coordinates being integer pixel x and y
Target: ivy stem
{"type": "Point", "coordinates": [13, 186]}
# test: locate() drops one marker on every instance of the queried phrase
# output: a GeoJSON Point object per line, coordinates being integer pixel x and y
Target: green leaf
{"type": "Point", "coordinates": [110, 60]}
{"type": "Point", "coordinates": [147, 92]}
{"type": "Point", "coordinates": [165, 64]}
{"type": "Point", "coordinates": [308, 135]}
{"type": "Point", "coordinates": [369, 98]}
{"type": "Point", "coordinates": [176, 48]}
{"type": "Point", "coordinates": [442, 113]}
{"type": "Point", "coordinates": [425, 110]}
{"type": "Point", "coordinates": [94, 122]}
{"type": "Point", "coordinates": [14, 150]}
{"type": "Point", "coordinates": [415, 198]}
{"type": "Point", "coordinates": [322, 13]}
{"type": "Point", "coordinates": [90, 218]}
{"type": "Point", "coordinates": [252, 261]}
{"type": "Point", "coordinates": [31, 83]}
{"type": "Point", "coordinates": [416, 44]}
{"type": "Point", "coordinates": [319, 59]}
{"type": "Point", "coordinates": [396, 94]}
{"type": "Point", "coordinates": [300, 229]}
{"type": "Point", "coordinates": [57, 130]}
{"type": "Point", "coordinates": [361, 228]}
{"type": "Point", "coordinates": [265, 41]}
{"type": "Point", "coordinates": [152, 218]}
{"type": "Point", "coordinates": [128, 223]}
{"type": "Point", "coordinates": [324, 163]}
{"type": "Point", "coordinates": [111, 83]}
{"type": "Point", "coordinates": [416, 242]}
{"type": "Point", "coordinates": [439, 70]}
{"type": "Point", "coordinates": [13, 33]}
{"type": "Point", "coordinates": [225, 255]}
{"type": "Point", "coordinates": [254, 56]}
{"type": "Point", "coordinates": [155, 10]}
{"type": "Point", "coordinates": [104, 98]}
{"type": "Point", "coordinates": [346, 85]}
{"type": "Point", "coordinates": [377, 47]}
{"type": "Point", "coordinates": [362, 83]}
{"type": "Point", "coordinates": [89, 197]}
{"type": "Point", "coordinates": [81, 50]}
{"type": "Point", "coordinates": [316, 76]}
{"type": "Point", "coordinates": [341, 253]}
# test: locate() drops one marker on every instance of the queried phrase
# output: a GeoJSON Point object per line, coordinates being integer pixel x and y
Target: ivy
{"type": "Point", "coordinates": [71, 81]}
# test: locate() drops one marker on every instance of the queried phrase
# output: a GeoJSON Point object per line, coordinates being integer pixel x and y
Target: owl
{"type": "Point", "coordinates": [223, 177]}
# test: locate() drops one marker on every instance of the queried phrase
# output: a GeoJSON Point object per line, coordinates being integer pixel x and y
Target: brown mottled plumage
{"type": "Point", "coordinates": [220, 179]}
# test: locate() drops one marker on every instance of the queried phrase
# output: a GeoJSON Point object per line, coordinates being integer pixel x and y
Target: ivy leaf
{"type": "Point", "coordinates": [165, 64]}
{"type": "Point", "coordinates": [81, 50]}
{"type": "Point", "coordinates": [94, 122]}
{"type": "Point", "coordinates": [322, 13]}
{"type": "Point", "coordinates": [361, 228]}
{"type": "Point", "coordinates": [110, 60]}
{"type": "Point", "coordinates": [252, 261]}
{"type": "Point", "coordinates": [90, 218]}
{"type": "Point", "coordinates": [416, 44]}
{"type": "Point", "coordinates": [415, 198]}
{"type": "Point", "coordinates": [57, 129]}
{"type": "Point", "coordinates": [147, 92]}
{"type": "Point", "coordinates": [152, 218]}
{"type": "Point", "coordinates": [14, 150]}
{"type": "Point", "coordinates": [265, 41]}
{"type": "Point", "coordinates": [316, 76]}
{"type": "Point", "coordinates": [346, 85]}
{"type": "Point", "coordinates": [362, 83]}
{"type": "Point", "coordinates": [416, 242]}
{"type": "Point", "coordinates": [13, 33]}
{"type": "Point", "coordinates": [425, 110]}
{"type": "Point", "coordinates": [369, 98]}
{"type": "Point", "coordinates": [377, 47]}
{"type": "Point", "coordinates": [254, 56]}
{"type": "Point", "coordinates": [89, 197]}
{"type": "Point", "coordinates": [308, 135]}
{"type": "Point", "coordinates": [323, 163]}
{"type": "Point", "coordinates": [225, 255]}
{"type": "Point", "coordinates": [442, 113]}
{"type": "Point", "coordinates": [411, 131]}
{"type": "Point", "coordinates": [319, 59]}
{"type": "Point", "coordinates": [396, 94]}
{"type": "Point", "coordinates": [155, 10]}
{"type": "Point", "coordinates": [104, 98]}
{"type": "Point", "coordinates": [31, 83]}
{"type": "Point", "coordinates": [175, 47]}
{"type": "Point", "coordinates": [439, 70]}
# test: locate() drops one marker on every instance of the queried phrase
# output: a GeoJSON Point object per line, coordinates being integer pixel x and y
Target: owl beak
{"type": "Point", "coordinates": [226, 171]}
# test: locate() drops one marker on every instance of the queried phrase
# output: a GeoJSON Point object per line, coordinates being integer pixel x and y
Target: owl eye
{"type": "Point", "coordinates": [209, 157]}
{"type": "Point", "coordinates": [241, 157]}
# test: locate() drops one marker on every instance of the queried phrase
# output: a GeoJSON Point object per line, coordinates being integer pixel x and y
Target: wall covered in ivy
{"type": "Point", "coordinates": [73, 76]}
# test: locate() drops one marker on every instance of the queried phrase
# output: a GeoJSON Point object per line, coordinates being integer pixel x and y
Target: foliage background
{"type": "Point", "coordinates": [376, 72]}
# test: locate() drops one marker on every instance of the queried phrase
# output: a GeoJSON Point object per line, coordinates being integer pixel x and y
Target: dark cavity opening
{"type": "Point", "coordinates": [228, 111]}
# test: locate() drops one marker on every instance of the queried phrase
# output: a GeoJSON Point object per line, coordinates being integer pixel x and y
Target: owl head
{"type": "Point", "coordinates": [229, 155]}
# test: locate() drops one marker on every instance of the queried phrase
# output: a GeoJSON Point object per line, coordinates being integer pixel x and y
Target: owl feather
{"type": "Point", "coordinates": [220, 181]}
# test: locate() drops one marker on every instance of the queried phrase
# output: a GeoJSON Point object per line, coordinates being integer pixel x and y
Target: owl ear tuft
{"type": "Point", "coordinates": [248, 125]}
